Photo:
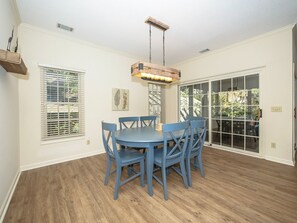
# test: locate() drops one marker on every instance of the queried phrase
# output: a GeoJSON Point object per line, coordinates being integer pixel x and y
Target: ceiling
{"type": "Point", "coordinates": [194, 24]}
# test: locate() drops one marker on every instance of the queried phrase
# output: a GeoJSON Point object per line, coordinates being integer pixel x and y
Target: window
{"type": "Point", "coordinates": [155, 101]}
{"type": "Point", "coordinates": [62, 103]}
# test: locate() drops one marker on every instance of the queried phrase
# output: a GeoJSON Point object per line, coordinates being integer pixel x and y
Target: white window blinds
{"type": "Point", "coordinates": [62, 103]}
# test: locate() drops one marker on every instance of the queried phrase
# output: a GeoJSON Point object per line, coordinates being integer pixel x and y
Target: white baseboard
{"type": "Point", "coordinates": [270, 158]}
{"type": "Point", "coordinates": [9, 195]}
{"type": "Point", "coordinates": [278, 160]}
{"type": "Point", "coordinates": [60, 160]}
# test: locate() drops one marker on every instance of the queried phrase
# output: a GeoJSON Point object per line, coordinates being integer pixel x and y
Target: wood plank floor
{"type": "Point", "coordinates": [236, 188]}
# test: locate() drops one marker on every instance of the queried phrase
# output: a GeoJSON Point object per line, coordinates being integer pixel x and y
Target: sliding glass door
{"type": "Point", "coordinates": [194, 102]}
{"type": "Point", "coordinates": [232, 113]}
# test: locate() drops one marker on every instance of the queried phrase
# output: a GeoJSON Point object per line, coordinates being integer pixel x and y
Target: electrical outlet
{"type": "Point", "coordinates": [276, 109]}
{"type": "Point", "coordinates": [88, 141]}
{"type": "Point", "coordinates": [273, 145]}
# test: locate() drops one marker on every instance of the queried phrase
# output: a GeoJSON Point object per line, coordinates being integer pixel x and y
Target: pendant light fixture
{"type": "Point", "coordinates": [155, 72]}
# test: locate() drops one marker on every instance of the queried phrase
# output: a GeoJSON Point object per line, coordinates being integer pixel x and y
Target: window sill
{"type": "Point", "coordinates": [54, 141]}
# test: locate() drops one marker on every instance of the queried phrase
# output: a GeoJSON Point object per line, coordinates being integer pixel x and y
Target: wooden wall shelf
{"type": "Point", "coordinates": [12, 62]}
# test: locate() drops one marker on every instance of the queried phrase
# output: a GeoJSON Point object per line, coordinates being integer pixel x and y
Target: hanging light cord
{"type": "Point", "coordinates": [163, 47]}
{"type": "Point", "coordinates": [150, 43]}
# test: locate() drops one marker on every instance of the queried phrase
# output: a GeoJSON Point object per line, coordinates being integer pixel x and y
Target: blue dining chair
{"type": "Point", "coordinates": [168, 156]}
{"type": "Point", "coordinates": [191, 117]}
{"type": "Point", "coordinates": [197, 138]}
{"type": "Point", "coordinates": [121, 158]}
{"type": "Point", "coordinates": [128, 122]}
{"type": "Point", "coordinates": [148, 121]}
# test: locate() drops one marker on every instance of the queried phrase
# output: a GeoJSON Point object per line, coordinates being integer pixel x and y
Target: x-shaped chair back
{"type": "Point", "coordinates": [128, 122]}
{"type": "Point", "coordinates": [148, 121]}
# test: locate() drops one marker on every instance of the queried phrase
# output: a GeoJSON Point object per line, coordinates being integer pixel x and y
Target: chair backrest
{"type": "Point", "coordinates": [128, 122]}
{"type": "Point", "coordinates": [148, 121]}
{"type": "Point", "coordinates": [191, 118]}
{"type": "Point", "coordinates": [197, 138]}
{"type": "Point", "coordinates": [178, 133]}
{"type": "Point", "coordinates": [108, 138]}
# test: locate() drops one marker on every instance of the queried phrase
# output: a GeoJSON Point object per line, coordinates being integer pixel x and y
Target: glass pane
{"type": "Point", "coordinates": [252, 112]}
{"type": "Point", "coordinates": [215, 86]}
{"type": "Point", "coordinates": [207, 136]}
{"type": "Point", "coordinates": [206, 123]}
{"type": "Point", "coordinates": [215, 112]}
{"type": "Point", "coordinates": [238, 142]}
{"type": "Point", "coordinates": [226, 112]}
{"type": "Point", "coordinates": [238, 83]}
{"type": "Point", "coordinates": [72, 94]}
{"type": "Point", "coordinates": [252, 144]}
{"type": "Point", "coordinates": [226, 85]}
{"type": "Point", "coordinates": [197, 111]}
{"type": "Point", "coordinates": [252, 81]}
{"type": "Point", "coordinates": [205, 112]}
{"type": "Point", "coordinates": [52, 128]}
{"type": "Point", "coordinates": [253, 97]}
{"type": "Point", "coordinates": [184, 101]}
{"type": "Point", "coordinates": [226, 140]}
{"type": "Point", "coordinates": [196, 89]}
{"type": "Point", "coordinates": [205, 100]}
{"type": "Point", "coordinates": [63, 115]}
{"type": "Point", "coordinates": [226, 126]}
{"type": "Point", "coordinates": [52, 94]}
{"type": "Point", "coordinates": [224, 99]}
{"type": "Point", "coordinates": [204, 88]}
{"type": "Point", "coordinates": [216, 125]}
{"type": "Point", "coordinates": [74, 126]}
{"type": "Point", "coordinates": [238, 97]}
{"type": "Point", "coordinates": [215, 100]}
{"type": "Point", "coordinates": [238, 127]}
{"type": "Point", "coordinates": [252, 128]}
{"type": "Point", "coordinates": [238, 111]}
{"type": "Point", "coordinates": [62, 94]}
{"type": "Point", "coordinates": [216, 139]}
{"type": "Point", "coordinates": [184, 90]}
{"type": "Point", "coordinates": [197, 100]}
{"type": "Point", "coordinates": [52, 111]}
{"type": "Point", "coordinates": [184, 112]}
{"type": "Point", "coordinates": [64, 127]}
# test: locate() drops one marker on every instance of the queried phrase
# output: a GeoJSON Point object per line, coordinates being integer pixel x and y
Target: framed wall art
{"type": "Point", "coordinates": [120, 99]}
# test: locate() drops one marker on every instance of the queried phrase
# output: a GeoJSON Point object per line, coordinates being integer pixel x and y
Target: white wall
{"type": "Point", "coordinates": [9, 111]}
{"type": "Point", "coordinates": [273, 52]}
{"type": "Point", "coordinates": [105, 70]}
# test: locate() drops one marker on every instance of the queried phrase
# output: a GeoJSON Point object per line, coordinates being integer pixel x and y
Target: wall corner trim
{"type": "Point", "coordinates": [8, 197]}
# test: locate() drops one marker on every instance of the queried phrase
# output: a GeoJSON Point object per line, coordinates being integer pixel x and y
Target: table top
{"type": "Point", "coordinates": [142, 135]}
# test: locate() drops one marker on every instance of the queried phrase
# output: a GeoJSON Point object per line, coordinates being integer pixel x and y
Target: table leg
{"type": "Point", "coordinates": [149, 169]}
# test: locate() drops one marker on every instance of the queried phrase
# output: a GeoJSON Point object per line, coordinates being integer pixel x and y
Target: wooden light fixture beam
{"type": "Point", "coordinates": [154, 72]}
{"type": "Point", "coordinates": [156, 23]}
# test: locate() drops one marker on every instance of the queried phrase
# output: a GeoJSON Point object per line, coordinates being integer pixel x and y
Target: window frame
{"type": "Point", "coordinates": [73, 107]}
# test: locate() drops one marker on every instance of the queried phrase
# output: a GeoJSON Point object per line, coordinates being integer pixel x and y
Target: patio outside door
{"type": "Point", "coordinates": [232, 113]}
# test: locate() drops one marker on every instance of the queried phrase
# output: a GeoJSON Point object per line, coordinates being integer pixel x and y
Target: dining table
{"type": "Point", "coordinates": [142, 137]}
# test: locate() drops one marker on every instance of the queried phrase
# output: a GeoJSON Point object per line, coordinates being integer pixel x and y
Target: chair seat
{"type": "Point", "coordinates": [159, 154]}
{"type": "Point", "coordinates": [128, 156]}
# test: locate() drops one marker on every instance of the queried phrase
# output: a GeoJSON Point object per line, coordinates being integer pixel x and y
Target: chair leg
{"type": "Point", "coordinates": [142, 173]}
{"type": "Point", "coordinates": [188, 169]}
{"type": "Point", "coordinates": [200, 165]}
{"type": "Point", "coordinates": [107, 171]}
{"type": "Point", "coordinates": [118, 182]}
{"type": "Point", "coordinates": [196, 163]}
{"type": "Point", "coordinates": [183, 171]}
{"type": "Point", "coordinates": [164, 183]}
